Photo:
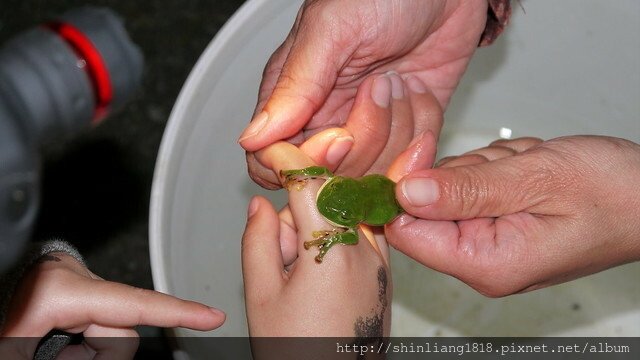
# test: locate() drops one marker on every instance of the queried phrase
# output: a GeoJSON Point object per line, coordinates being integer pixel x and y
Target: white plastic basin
{"type": "Point", "coordinates": [569, 67]}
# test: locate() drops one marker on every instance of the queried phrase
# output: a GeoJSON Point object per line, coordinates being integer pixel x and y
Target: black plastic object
{"type": "Point", "coordinates": [55, 79]}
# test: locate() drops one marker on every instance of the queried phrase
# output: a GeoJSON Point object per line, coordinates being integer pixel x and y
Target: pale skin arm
{"type": "Point", "coordinates": [60, 293]}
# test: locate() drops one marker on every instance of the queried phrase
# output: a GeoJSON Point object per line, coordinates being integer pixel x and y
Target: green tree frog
{"type": "Point", "coordinates": [345, 203]}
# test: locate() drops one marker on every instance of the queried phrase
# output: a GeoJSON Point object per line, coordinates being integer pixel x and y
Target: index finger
{"type": "Point", "coordinates": [137, 306]}
{"type": "Point", "coordinates": [285, 156]}
{"type": "Point", "coordinates": [113, 304]}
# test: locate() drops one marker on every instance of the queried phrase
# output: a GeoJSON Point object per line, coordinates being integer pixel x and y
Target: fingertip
{"type": "Point", "coordinates": [262, 262]}
{"type": "Point", "coordinates": [392, 229]}
{"type": "Point", "coordinates": [257, 124]}
{"type": "Point", "coordinates": [329, 147]}
{"type": "Point", "coordinates": [370, 124]}
{"type": "Point", "coordinates": [201, 317]}
{"type": "Point", "coordinates": [261, 174]}
{"type": "Point", "coordinates": [259, 210]}
{"type": "Point", "coordinates": [381, 91]}
{"type": "Point", "coordinates": [419, 155]}
{"type": "Point", "coordinates": [420, 191]}
{"type": "Point", "coordinates": [254, 206]}
{"type": "Point", "coordinates": [416, 85]}
{"type": "Point", "coordinates": [282, 117]}
{"type": "Point", "coordinates": [337, 151]}
{"type": "Point", "coordinates": [427, 109]}
{"type": "Point", "coordinates": [219, 317]}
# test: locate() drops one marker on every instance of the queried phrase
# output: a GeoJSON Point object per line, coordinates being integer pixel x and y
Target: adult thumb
{"type": "Point", "coordinates": [490, 189]}
{"type": "Point", "coordinates": [303, 83]}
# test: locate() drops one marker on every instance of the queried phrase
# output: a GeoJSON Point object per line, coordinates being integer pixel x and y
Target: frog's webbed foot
{"type": "Point", "coordinates": [325, 239]}
{"type": "Point", "coordinates": [297, 179]}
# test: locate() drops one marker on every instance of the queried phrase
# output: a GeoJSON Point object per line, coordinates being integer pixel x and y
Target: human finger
{"type": "Point", "coordinates": [427, 119]}
{"type": "Point", "coordinates": [488, 189]}
{"type": "Point", "coordinates": [431, 243]}
{"type": "Point", "coordinates": [519, 145]}
{"type": "Point", "coordinates": [262, 263]}
{"type": "Point", "coordinates": [401, 130]}
{"type": "Point", "coordinates": [369, 122]}
{"type": "Point", "coordinates": [273, 68]}
{"type": "Point", "coordinates": [288, 237]}
{"type": "Point", "coordinates": [117, 305]}
{"type": "Point", "coordinates": [419, 155]}
{"type": "Point", "coordinates": [462, 160]}
{"type": "Point", "coordinates": [496, 150]}
{"type": "Point", "coordinates": [302, 199]}
{"type": "Point", "coordinates": [471, 249]}
{"type": "Point", "coordinates": [307, 76]}
{"type": "Point", "coordinates": [427, 111]}
{"type": "Point", "coordinates": [493, 152]}
{"type": "Point", "coordinates": [326, 148]}
{"type": "Point", "coordinates": [329, 147]}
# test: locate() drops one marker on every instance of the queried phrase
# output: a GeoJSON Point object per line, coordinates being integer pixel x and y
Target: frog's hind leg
{"type": "Point", "coordinates": [324, 240]}
{"type": "Point", "coordinates": [298, 178]}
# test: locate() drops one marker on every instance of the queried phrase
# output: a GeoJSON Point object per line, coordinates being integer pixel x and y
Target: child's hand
{"type": "Point", "coordinates": [287, 292]}
{"type": "Point", "coordinates": [60, 293]}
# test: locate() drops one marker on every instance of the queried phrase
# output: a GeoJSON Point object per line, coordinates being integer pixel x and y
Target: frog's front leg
{"type": "Point", "coordinates": [325, 239]}
{"type": "Point", "coordinates": [300, 177]}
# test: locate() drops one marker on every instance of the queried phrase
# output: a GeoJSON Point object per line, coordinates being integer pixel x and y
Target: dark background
{"type": "Point", "coordinates": [96, 185]}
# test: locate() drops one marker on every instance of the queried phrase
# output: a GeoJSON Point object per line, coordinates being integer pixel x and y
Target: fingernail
{"type": "Point", "coordinates": [421, 191]}
{"type": "Point", "coordinates": [338, 149]}
{"type": "Point", "coordinates": [217, 312]}
{"type": "Point", "coordinates": [397, 86]}
{"type": "Point", "coordinates": [253, 207]}
{"type": "Point", "coordinates": [256, 125]}
{"type": "Point", "coordinates": [381, 91]}
{"type": "Point", "coordinates": [416, 85]}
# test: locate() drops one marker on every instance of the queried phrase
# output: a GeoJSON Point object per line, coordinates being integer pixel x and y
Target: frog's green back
{"type": "Point", "coordinates": [380, 196]}
{"type": "Point", "coordinates": [340, 201]}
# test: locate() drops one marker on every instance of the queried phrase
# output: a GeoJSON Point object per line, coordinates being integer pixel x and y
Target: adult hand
{"type": "Point", "coordinates": [60, 293]}
{"type": "Point", "coordinates": [524, 214]}
{"type": "Point", "coordinates": [315, 78]}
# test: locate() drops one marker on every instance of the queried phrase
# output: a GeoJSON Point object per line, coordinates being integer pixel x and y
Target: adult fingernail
{"type": "Point", "coordinates": [253, 207]}
{"type": "Point", "coordinates": [381, 91]}
{"type": "Point", "coordinates": [258, 123]}
{"type": "Point", "coordinates": [421, 191]}
{"type": "Point", "coordinates": [397, 86]}
{"type": "Point", "coordinates": [338, 149]}
{"type": "Point", "coordinates": [416, 85]}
